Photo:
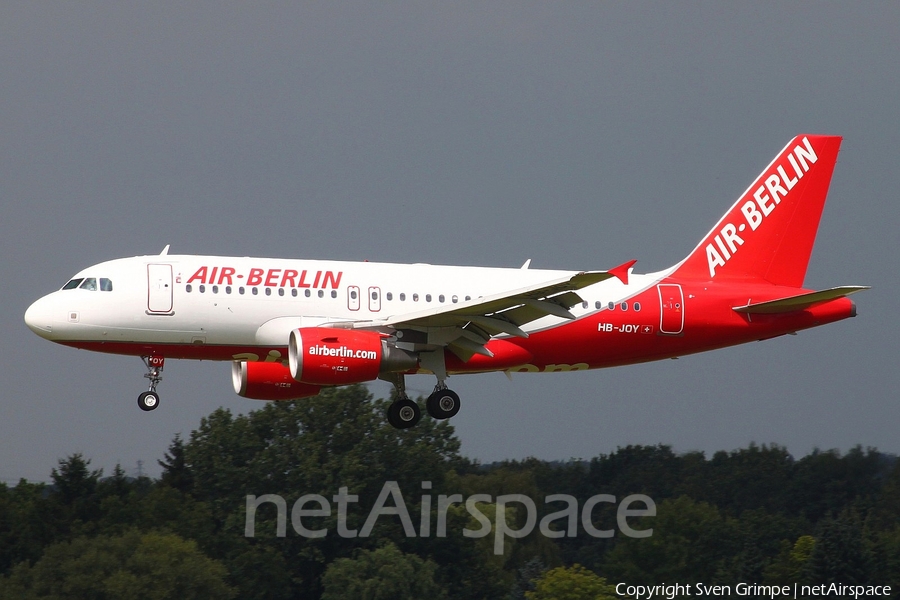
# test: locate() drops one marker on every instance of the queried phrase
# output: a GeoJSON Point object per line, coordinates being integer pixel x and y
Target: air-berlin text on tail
{"type": "Point", "coordinates": [787, 171]}
{"type": "Point", "coordinates": [268, 277]}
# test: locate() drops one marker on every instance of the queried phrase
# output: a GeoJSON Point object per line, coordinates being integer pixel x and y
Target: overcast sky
{"type": "Point", "coordinates": [579, 135]}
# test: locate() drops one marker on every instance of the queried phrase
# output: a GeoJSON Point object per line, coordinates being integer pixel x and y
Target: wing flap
{"type": "Point", "coordinates": [799, 302]}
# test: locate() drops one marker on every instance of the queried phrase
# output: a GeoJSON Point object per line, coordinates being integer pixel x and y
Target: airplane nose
{"type": "Point", "coordinates": [37, 317]}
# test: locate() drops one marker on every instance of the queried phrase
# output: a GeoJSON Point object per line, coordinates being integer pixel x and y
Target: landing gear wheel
{"type": "Point", "coordinates": [443, 404]}
{"type": "Point", "coordinates": [148, 400]}
{"type": "Point", "coordinates": [403, 413]}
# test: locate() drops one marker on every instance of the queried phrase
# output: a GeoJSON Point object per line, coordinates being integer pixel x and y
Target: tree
{"type": "Point", "coordinates": [525, 578]}
{"type": "Point", "coordinates": [571, 583]}
{"type": "Point", "coordinates": [827, 483]}
{"type": "Point", "coordinates": [690, 542]}
{"type": "Point", "coordinates": [841, 555]}
{"type": "Point", "coordinates": [75, 490]}
{"type": "Point", "coordinates": [133, 565]}
{"type": "Point", "coordinates": [176, 473]}
{"type": "Point", "coordinates": [792, 564]}
{"type": "Point", "coordinates": [319, 445]}
{"type": "Point", "coordinates": [73, 481]}
{"type": "Point", "coordinates": [382, 574]}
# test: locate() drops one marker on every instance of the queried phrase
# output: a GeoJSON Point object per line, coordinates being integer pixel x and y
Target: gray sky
{"type": "Point", "coordinates": [579, 135]}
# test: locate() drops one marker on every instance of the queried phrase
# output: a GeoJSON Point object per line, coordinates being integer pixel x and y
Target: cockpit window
{"type": "Point", "coordinates": [105, 285]}
{"type": "Point", "coordinates": [73, 284]}
{"type": "Point", "coordinates": [89, 284]}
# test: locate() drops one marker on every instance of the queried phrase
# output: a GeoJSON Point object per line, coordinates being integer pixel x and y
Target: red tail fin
{"type": "Point", "coordinates": [769, 232]}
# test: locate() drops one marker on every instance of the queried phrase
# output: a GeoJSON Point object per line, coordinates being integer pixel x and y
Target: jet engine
{"type": "Point", "coordinates": [324, 356]}
{"type": "Point", "coordinates": [268, 381]}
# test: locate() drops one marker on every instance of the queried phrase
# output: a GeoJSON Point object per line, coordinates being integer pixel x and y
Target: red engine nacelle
{"type": "Point", "coordinates": [324, 356]}
{"type": "Point", "coordinates": [268, 381]}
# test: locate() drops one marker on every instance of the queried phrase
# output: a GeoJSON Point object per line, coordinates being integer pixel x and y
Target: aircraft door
{"type": "Point", "coordinates": [159, 289]}
{"type": "Point", "coordinates": [374, 299]}
{"type": "Point", "coordinates": [671, 303]}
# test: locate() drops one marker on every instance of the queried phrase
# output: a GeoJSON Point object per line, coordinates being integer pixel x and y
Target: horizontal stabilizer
{"type": "Point", "coordinates": [800, 302]}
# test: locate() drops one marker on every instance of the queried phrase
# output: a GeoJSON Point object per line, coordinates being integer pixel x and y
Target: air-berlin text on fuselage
{"type": "Point", "coordinates": [291, 278]}
{"type": "Point", "coordinates": [765, 198]}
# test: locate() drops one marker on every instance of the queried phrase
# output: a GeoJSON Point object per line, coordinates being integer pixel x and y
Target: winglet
{"type": "Point", "coordinates": [165, 250]}
{"type": "Point", "coordinates": [621, 272]}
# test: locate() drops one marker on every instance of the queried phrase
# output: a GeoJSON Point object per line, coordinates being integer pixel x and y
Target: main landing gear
{"type": "Point", "coordinates": [443, 403]}
{"type": "Point", "coordinates": [149, 400]}
{"type": "Point", "coordinates": [404, 413]}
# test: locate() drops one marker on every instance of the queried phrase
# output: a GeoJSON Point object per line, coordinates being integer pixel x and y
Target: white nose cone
{"type": "Point", "coordinates": [37, 317]}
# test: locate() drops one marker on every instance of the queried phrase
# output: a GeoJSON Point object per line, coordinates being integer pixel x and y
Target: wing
{"type": "Point", "coordinates": [800, 302]}
{"type": "Point", "coordinates": [466, 327]}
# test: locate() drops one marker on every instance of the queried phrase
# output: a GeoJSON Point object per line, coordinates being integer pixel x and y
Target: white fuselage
{"type": "Point", "coordinates": [246, 303]}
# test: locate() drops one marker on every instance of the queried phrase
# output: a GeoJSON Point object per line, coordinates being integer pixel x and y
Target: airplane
{"type": "Point", "coordinates": [292, 327]}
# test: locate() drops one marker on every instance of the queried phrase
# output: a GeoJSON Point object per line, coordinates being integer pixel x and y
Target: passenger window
{"type": "Point", "coordinates": [624, 306]}
{"type": "Point", "coordinates": [427, 297]}
{"type": "Point", "coordinates": [254, 291]}
{"type": "Point", "coordinates": [637, 306]}
{"type": "Point", "coordinates": [321, 293]}
{"type": "Point", "coordinates": [241, 290]}
{"type": "Point", "coordinates": [89, 284]}
{"type": "Point", "coordinates": [598, 304]}
{"type": "Point", "coordinates": [215, 289]}
{"type": "Point", "coordinates": [415, 297]}
{"type": "Point", "coordinates": [281, 291]}
{"type": "Point", "coordinates": [441, 298]}
{"type": "Point", "coordinates": [402, 297]}
{"type": "Point", "coordinates": [455, 299]}
{"type": "Point", "coordinates": [294, 292]}
{"type": "Point", "coordinates": [268, 291]}
{"type": "Point", "coordinates": [611, 306]}
{"type": "Point", "coordinates": [307, 293]}
{"type": "Point", "coordinates": [73, 284]}
{"type": "Point", "coordinates": [334, 293]}
{"type": "Point", "coordinates": [390, 296]}
{"type": "Point", "coordinates": [584, 304]}
{"type": "Point", "coordinates": [105, 285]}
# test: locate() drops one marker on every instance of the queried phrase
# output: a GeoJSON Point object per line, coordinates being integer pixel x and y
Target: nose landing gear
{"type": "Point", "coordinates": [149, 400]}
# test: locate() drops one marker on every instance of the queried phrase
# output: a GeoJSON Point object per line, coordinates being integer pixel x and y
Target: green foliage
{"type": "Point", "coordinates": [753, 514]}
{"type": "Point", "coordinates": [133, 565]}
{"type": "Point", "coordinates": [571, 583]}
{"type": "Point", "coordinates": [313, 446]}
{"type": "Point", "coordinates": [689, 542]}
{"type": "Point", "coordinates": [176, 473]}
{"type": "Point", "coordinates": [841, 554]}
{"type": "Point", "coordinates": [792, 565]}
{"type": "Point", "coordinates": [382, 574]}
